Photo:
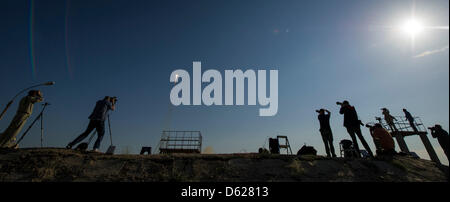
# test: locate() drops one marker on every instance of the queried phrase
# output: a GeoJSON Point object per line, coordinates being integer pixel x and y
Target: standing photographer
{"type": "Point", "coordinates": [442, 136]}
{"type": "Point", "coordinates": [97, 121]}
{"type": "Point", "coordinates": [410, 119]}
{"type": "Point", "coordinates": [325, 131]}
{"type": "Point", "coordinates": [352, 123]}
{"type": "Point", "coordinates": [389, 119]}
{"type": "Point", "coordinates": [24, 111]}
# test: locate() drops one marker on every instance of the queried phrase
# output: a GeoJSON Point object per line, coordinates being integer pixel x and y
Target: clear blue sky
{"type": "Point", "coordinates": [325, 51]}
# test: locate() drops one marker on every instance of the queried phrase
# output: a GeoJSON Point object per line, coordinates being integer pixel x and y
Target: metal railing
{"type": "Point", "coordinates": [402, 124]}
{"type": "Point", "coordinates": [181, 142]}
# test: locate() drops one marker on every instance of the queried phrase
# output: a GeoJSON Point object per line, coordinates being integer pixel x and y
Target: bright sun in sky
{"type": "Point", "coordinates": [412, 27]}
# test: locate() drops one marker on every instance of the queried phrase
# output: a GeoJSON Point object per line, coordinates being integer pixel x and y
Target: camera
{"type": "Point", "coordinates": [339, 103]}
{"type": "Point", "coordinates": [369, 126]}
{"type": "Point", "coordinates": [114, 99]}
{"type": "Point", "coordinates": [433, 131]}
{"type": "Point", "coordinates": [319, 110]}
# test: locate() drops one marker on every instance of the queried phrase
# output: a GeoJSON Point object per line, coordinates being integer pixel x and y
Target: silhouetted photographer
{"type": "Point", "coordinates": [353, 125]}
{"type": "Point", "coordinates": [97, 121]}
{"type": "Point", "coordinates": [442, 136]}
{"type": "Point", "coordinates": [325, 131]}
{"type": "Point", "coordinates": [389, 119]}
{"type": "Point", "coordinates": [410, 119]}
{"type": "Point", "coordinates": [383, 140]}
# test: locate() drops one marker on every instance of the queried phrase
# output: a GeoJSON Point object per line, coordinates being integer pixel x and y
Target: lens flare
{"type": "Point", "coordinates": [31, 40]}
{"type": "Point", "coordinates": [412, 27]}
{"type": "Point", "coordinates": [66, 40]}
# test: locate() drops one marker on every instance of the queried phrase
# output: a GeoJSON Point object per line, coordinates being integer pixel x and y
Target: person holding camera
{"type": "Point", "coordinates": [383, 140]}
{"type": "Point", "coordinates": [325, 131]}
{"type": "Point", "coordinates": [97, 121]}
{"type": "Point", "coordinates": [442, 136]}
{"type": "Point", "coordinates": [389, 119]}
{"type": "Point", "coordinates": [8, 137]}
{"type": "Point", "coordinates": [353, 125]}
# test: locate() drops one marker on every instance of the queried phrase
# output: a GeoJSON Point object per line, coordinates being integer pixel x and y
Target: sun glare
{"type": "Point", "coordinates": [412, 27]}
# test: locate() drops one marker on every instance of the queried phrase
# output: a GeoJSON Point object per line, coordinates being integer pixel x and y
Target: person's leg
{"type": "Point", "coordinates": [325, 142]}
{"type": "Point", "coordinates": [330, 142]}
{"type": "Point", "coordinates": [444, 144]}
{"type": "Point", "coordinates": [377, 146]}
{"type": "Point", "coordinates": [390, 126]}
{"type": "Point", "coordinates": [100, 126]}
{"type": "Point", "coordinates": [363, 141]}
{"type": "Point", "coordinates": [395, 127]}
{"type": "Point", "coordinates": [83, 135]}
{"type": "Point", "coordinates": [413, 126]}
{"type": "Point", "coordinates": [351, 132]}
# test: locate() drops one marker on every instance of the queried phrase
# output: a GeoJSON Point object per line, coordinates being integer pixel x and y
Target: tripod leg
{"type": "Point", "coordinates": [42, 128]}
{"type": "Point", "coordinates": [28, 129]}
{"type": "Point", "coordinates": [110, 133]}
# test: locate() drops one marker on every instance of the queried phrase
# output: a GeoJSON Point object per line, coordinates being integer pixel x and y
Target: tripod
{"type": "Point", "coordinates": [111, 148]}
{"type": "Point", "coordinates": [41, 117]}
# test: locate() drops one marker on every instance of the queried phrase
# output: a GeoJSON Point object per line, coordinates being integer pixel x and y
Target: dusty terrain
{"type": "Point", "coordinates": [55, 164]}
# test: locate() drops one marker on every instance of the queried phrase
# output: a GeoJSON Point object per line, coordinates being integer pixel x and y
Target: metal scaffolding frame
{"type": "Point", "coordinates": [404, 129]}
{"type": "Point", "coordinates": [180, 142]}
{"type": "Point", "coordinates": [402, 124]}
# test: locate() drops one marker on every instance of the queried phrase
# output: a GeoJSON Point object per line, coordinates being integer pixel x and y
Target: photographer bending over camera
{"type": "Point", "coordinates": [383, 140]}
{"type": "Point", "coordinates": [97, 121]}
{"type": "Point", "coordinates": [442, 136]}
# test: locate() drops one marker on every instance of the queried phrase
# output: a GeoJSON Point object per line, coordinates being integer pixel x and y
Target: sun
{"type": "Point", "coordinates": [412, 27]}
